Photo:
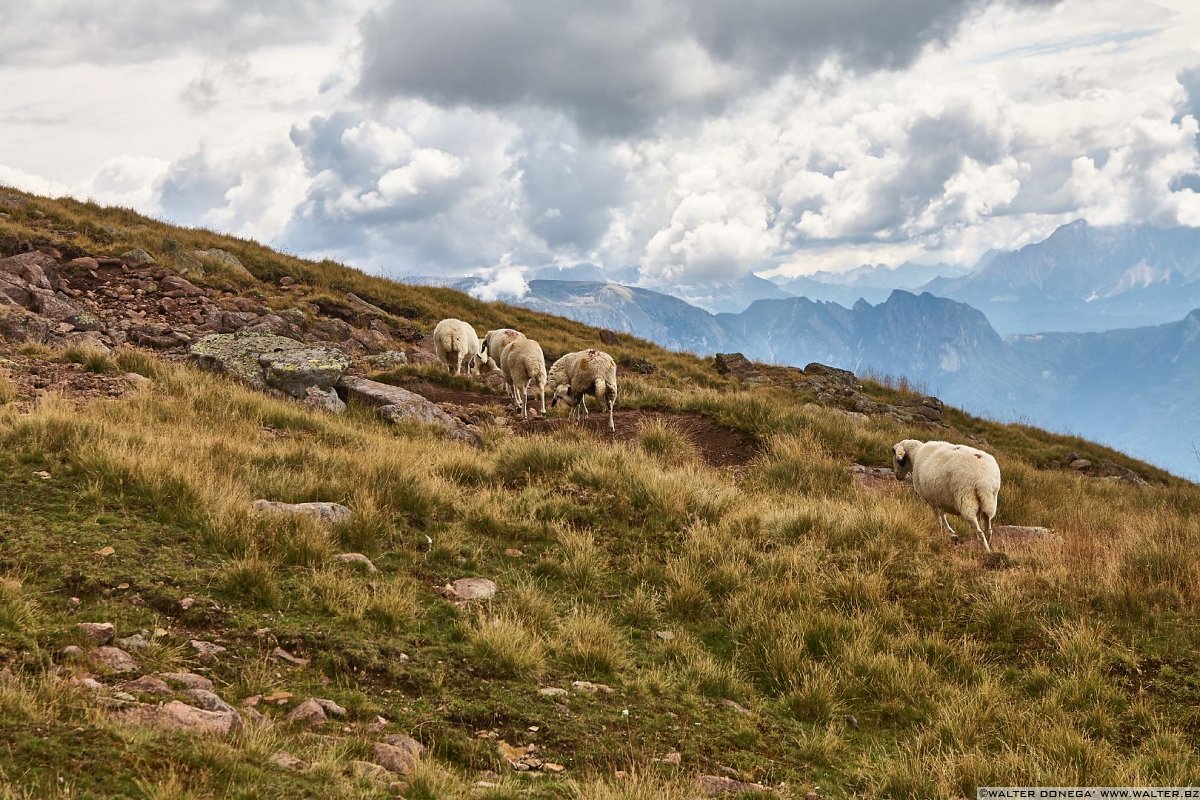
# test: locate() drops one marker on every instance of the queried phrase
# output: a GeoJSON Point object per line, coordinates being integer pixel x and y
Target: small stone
{"type": "Point", "coordinates": [135, 642]}
{"type": "Point", "coordinates": [358, 560]}
{"type": "Point", "coordinates": [736, 706]}
{"type": "Point", "coordinates": [71, 650]}
{"type": "Point", "coordinates": [587, 687]}
{"type": "Point", "coordinates": [88, 682]}
{"type": "Point", "coordinates": [513, 552]}
{"type": "Point", "coordinates": [720, 786]}
{"type": "Point", "coordinates": [43, 474]}
{"type": "Point", "coordinates": [286, 657]}
{"type": "Point", "coordinates": [550, 766]}
{"type": "Point", "coordinates": [285, 760]}
{"type": "Point", "coordinates": [398, 753]}
{"type": "Point", "coordinates": [666, 636]}
{"type": "Point", "coordinates": [186, 680]}
{"type": "Point", "coordinates": [147, 684]}
{"type": "Point", "coordinates": [277, 697]}
{"type": "Point", "coordinates": [74, 602]}
{"type": "Point", "coordinates": [178, 716]}
{"type": "Point", "coordinates": [851, 720]}
{"type": "Point", "coordinates": [97, 633]}
{"type": "Point", "coordinates": [552, 691]}
{"type": "Point", "coordinates": [1080, 464]}
{"type": "Point", "coordinates": [673, 758]}
{"type": "Point", "coordinates": [187, 603]}
{"type": "Point", "coordinates": [206, 649]}
{"type": "Point", "coordinates": [471, 589]}
{"type": "Point", "coordinates": [206, 699]}
{"type": "Point", "coordinates": [365, 770]}
{"type": "Point", "coordinates": [105, 552]}
{"type": "Point", "coordinates": [378, 725]}
{"type": "Point", "coordinates": [309, 712]}
{"type": "Point", "coordinates": [328, 514]}
{"type": "Point", "coordinates": [113, 659]}
{"type": "Point", "coordinates": [331, 707]}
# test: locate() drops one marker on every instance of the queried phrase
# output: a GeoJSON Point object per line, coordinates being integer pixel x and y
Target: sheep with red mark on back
{"type": "Point", "coordinates": [953, 479]}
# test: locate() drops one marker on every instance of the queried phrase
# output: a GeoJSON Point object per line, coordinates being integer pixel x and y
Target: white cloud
{"type": "Point", "coordinates": [503, 283]}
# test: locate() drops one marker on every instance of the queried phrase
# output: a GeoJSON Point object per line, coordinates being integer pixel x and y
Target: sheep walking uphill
{"type": "Point", "coordinates": [522, 363]}
{"type": "Point", "coordinates": [576, 375]}
{"type": "Point", "coordinates": [954, 479]}
{"type": "Point", "coordinates": [456, 344]}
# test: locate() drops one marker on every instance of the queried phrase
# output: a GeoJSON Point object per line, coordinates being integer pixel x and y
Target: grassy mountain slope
{"type": "Point", "coordinates": [859, 651]}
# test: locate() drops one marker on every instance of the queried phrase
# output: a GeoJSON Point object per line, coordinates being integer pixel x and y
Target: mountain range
{"type": "Point", "coordinates": [1097, 333]}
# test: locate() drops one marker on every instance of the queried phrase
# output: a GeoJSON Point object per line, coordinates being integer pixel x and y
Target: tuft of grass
{"type": "Point", "coordinates": [505, 647]}
{"type": "Point", "coordinates": [92, 359]}
{"type": "Point", "coordinates": [590, 643]}
{"type": "Point", "coordinates": [252, 580]}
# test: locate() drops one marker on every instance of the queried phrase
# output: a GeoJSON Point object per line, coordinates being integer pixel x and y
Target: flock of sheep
{"type": "Point", "coordinates": [523, 366]}
{"type": "Point", "coordinates": [952, 478]}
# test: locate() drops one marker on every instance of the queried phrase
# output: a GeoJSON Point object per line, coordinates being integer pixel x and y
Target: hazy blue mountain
{"type": "Point", "coordinates": [1086, 278]}
{"type": "Point", "coordinates": [870, 282]}
{"type": "Point", "coordinates": [725, 296]}
{"type": "Point", "coordinates": [642, 312]}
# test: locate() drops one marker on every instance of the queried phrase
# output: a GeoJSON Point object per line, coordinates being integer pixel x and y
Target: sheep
{"type": "Point", "coordinates": [953, 479]}
{"type": "Point", "coordinates": [491, 348]}
{"type": "Point", "coordinates": [576, 375]}
{"type": "Point", "coordinates": [456, 344]}
{"type": "Point", "coordinates": [522, 363]}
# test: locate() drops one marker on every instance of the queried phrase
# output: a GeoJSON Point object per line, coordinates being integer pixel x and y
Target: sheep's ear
{"type": "Point", "coordinates": [901, 454]}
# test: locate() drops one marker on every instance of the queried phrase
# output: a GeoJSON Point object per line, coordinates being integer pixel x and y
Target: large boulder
{"type": "Point", "coordinates": [395, 404]}
{"type": "Point", "coordinates": [275, 363]}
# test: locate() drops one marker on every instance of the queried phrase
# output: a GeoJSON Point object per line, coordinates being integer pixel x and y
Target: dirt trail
{"type": "Point", "coordinates": [719, 445]}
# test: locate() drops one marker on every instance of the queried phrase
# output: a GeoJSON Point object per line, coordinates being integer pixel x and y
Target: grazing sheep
{"type": "Point", "coordinates": [954, 479]}
{"type": "Point", "coordinates": [523, 363]}
{"type": "Point", "coordinates": [576, 375]}
{"type": "Point", "coordinates": [492, 348]}
{"type": "Point", "coordinates": [456, 344]}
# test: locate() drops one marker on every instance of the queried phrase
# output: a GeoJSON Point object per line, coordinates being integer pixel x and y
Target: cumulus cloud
{"type": "Point", "coordinates": [504, 282]}
{"type": "Point", "coordinates": [614, 66]}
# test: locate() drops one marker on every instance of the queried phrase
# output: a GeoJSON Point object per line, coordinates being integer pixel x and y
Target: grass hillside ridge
{"type": "Point", "coordinates": [712, 592]}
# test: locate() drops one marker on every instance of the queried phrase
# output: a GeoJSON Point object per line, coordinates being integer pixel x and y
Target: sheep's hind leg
{"type": "Point", "coordinates": [947, 527]}
{"type": "Point", "coordinates": [987, 521]}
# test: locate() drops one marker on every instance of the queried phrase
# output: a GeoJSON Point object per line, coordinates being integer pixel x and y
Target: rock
{"type": "Point", "coordinates": [238, 354]}
{"type": "Point", "coordinates": [135, 642]}
{"type": "Point", "coordinates": [608, 337]}
{"type": "Point", "coordinates": [147, 684]}
{"type": "Point", "coordinates": [552, 691]}
{"type": "Point", "coordinates": [286, 657]}
{"type": "Point", "coordinates": [324, 513]}
{"type": "Point", "coordinates": [178, 716]}
{"type": "Point", "coordinates": [285, 760]}
{"type": "Point", "coordinates": [223, 260]}
{"type": "Point", "coordinates": [70, 651]}
{"type": "Point", "coordinates": [674, 758]}
{"type": "Point", "coordinates": [358, 560]}
{"type": "Point", "coordinates": [187, 603]}
{"type": "Point", "coordinates": [394, 404]}
{"type": "Point", "coordinates": [87, 682]}
{"type": "Point", "coordinates": [398, 753]}
{"type": "Point", "coordinates": [843, 376]}
{"type": "Point", "coordinates": [206, 649]}
{"type": "Point", "coordinates": [665, 636]}
{"type": "Point", "coordinates": [1080, 464]}
{"type": "Point", "coordinates": [295, 370]}
{"type": "Point", "coordinates": [206, 699]}
{"type": "Point", "coordinates": [471, 589]}
{"type": "Point", "coordinates": [587, 687]}
{"type": "Point", "coordinates": [736, 706]}
{"type": "Point", "coordinates": [387, 360]}
{"type": "Point", "coordinates": [186, 680]}
{"type": "Point", "coordinates": [330, 707]}
{"type": "Point", "coordinates": [112, 659]}
{"type": "Point", "coordinates": [324, 400]}
{"type": "Point", "coordinates": [720, 786]}
{"type": "Point", "coordinates": [736, 365]}
{"type": "Point", "coordinates": [310, 712]}
{"type": "Point", "coordinates": [363, 307]}
{"type": "Point", "coordinates": [97, 633]}
{"type": "Point", "coordinates": [138, 258]}
{"type": "Point", "coordinates": [85, 262]}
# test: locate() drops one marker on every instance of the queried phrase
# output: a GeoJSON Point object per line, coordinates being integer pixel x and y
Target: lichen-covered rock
{"type": "Point", "coordinates": [293, 371]}
{"type": "Point", "coordinates": [178, 716]}
{"type": "Point", "coordinates": [223, 261]}
{"type": "Point", "coordinates": [398, 753]}
{"type": "Point", "coordinates": [237, 355]}
{"type": "Point", "coordinates": [324, 513]}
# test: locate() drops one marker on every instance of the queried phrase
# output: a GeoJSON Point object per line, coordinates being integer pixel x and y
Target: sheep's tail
{"type": "Point", "coordinates": [987, 502]}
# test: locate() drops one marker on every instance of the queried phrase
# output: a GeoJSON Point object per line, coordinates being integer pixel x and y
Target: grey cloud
{"type": "Point", "coordinates": [195, 184]}
{"type": "Point", "coordinates": [112, 31]}
{"type": "Point", "coordinates": [614, 66]}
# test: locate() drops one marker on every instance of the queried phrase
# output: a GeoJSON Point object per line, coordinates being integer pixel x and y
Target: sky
{"type": "Point", "coordinates": [694, 141]}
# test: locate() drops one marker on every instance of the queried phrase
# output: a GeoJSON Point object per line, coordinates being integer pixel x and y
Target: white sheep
{"type": "Point", "coordinates": [954, 479]}
{"type": "Point", "coordinates": [521, 364]}
{"type": "Point", "coordinates": [456, 344]}
{"type": "Point", "coordinates": [491, 348]}
{"type": "Point", "coordinates": [576, 375]}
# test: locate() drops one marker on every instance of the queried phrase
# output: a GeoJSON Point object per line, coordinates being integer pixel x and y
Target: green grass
{"type": "Point", "coordinates": [875, 659]}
